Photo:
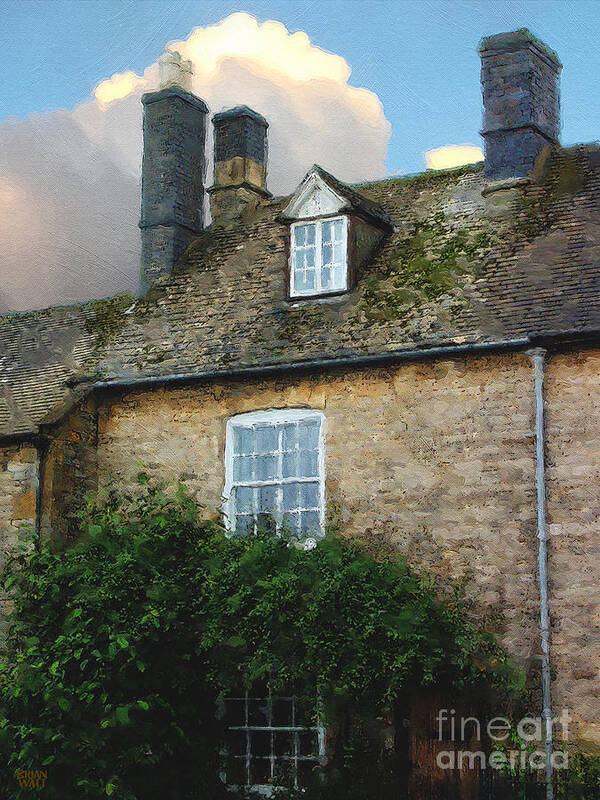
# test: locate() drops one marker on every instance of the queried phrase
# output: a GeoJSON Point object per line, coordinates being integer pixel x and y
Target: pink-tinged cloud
{"type": "Point", "coordinates": [69, 180]}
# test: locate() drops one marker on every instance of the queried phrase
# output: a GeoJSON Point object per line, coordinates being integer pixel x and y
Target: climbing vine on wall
{"type": "Point", "coordinates": [121, 645]}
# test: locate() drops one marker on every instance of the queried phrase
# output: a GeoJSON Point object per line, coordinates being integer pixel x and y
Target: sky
{"type": "Point", "coordinates": [364, 88]}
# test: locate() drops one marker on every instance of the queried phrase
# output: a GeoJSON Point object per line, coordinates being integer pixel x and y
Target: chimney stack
{"type": "Point", "coordinates": [240, 162]}
{"type": "Point", "coordinates": [521, 107]}
{"type": "Point", "coordinates": [173, 169]}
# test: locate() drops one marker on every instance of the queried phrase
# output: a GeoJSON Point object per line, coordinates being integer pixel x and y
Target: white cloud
{"type": "Point", "coordinates": [69, 193]}
{"type": "Point", "coordinates": [453, 155]}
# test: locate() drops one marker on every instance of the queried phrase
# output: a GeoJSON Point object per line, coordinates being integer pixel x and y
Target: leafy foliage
{"type": "Point", "coordinates": [121, 644]}
{"type": "Point", "coordinates": [581, 781]}
{"type": "Point", "coordinates": [423, 266]}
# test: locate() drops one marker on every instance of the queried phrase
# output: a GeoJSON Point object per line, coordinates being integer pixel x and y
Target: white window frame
{"type": "Point", "coordinates": [276, 417]}
{"type": "Point", "coordinates": [291, 727]}
{"type": "Point", "coordinates": [318, 223]}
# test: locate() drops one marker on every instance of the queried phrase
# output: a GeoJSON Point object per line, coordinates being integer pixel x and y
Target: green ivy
{"type": "Point", "coordinates": [107, 319]}
{"type": "Point", "coordinates": [423, 266]}
{"type": "Point", "coordinates": [121, 645]}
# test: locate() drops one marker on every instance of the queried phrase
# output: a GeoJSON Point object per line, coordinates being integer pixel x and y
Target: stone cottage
{"type": "Point", "coordinates": [418, 356]}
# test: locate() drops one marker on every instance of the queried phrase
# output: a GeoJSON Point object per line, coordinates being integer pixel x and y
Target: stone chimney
{"type": "Point", "coordinates": [240, 162]}
{"type": "Point", "coordinates": [173, 169]}
{"type": "Point", "coordinates": [521, 113]}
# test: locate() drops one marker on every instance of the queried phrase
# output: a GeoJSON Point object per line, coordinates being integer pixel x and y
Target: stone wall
{"type": "Point", "coordinates": [573, 491]}
{"type": "Point", "coordinates": [18, 492]}
{"type": "Point", "coordinates": [439, 456]}
{"type": "Point", "coordinates": [69, 470]}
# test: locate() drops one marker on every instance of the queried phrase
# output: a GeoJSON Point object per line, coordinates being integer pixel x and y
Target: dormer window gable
{"type": "Point", "coordinates": [332, 231]}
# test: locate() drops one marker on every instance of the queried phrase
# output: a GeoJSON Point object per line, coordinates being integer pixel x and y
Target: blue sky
{"type": "Point", "coordinates": [419, 57]}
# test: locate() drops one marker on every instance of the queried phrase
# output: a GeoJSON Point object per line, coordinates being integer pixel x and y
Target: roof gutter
{"type": "Point", "coordinates": [375, 359]}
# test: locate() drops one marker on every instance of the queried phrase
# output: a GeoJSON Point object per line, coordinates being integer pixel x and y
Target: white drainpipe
{"type": "Point", "coordinates": [538, 356]}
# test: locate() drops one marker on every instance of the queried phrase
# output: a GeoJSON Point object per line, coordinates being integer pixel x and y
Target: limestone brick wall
{"type": "Point", "coordinates": [18, 490]}
{"type": "Point", "coordinates": [439, 456]}
{"type": "Point", "coordinates": [573, 491]}
{"type": "Point", "coordinates": [69, 470]}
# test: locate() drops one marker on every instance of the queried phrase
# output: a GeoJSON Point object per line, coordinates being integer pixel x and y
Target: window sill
{"type": "Point", "coordinates": [311, 298]}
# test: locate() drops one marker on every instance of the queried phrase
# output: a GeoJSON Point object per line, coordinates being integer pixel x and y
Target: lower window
{"type": "Point", "coordinates": [270, 741]}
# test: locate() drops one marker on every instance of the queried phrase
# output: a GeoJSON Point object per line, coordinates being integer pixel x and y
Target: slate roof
{"type": "Point", "coordinates": [462, 265]}
{"type": "Point", "coordinates": [40, 352]}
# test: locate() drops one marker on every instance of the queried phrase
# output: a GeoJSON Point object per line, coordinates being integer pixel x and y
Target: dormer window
{"type": "Point", "coordinates": [333, 231]}
{"type": "Point", "coordinates": [319, 257]}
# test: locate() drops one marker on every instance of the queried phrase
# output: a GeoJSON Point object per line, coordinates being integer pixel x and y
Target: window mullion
{"type": "Point", "coordinates": [271, 732]}
{"type": "Point", "coordinates": [318, 255]}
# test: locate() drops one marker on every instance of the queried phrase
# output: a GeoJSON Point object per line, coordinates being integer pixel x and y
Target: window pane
{"type": "Point", "coordinates": [309, 495]}
{"type": "Point", "coordinates": [258, 710]}
{"type": "Point", "coordinates": [309, 522]}
{"type": "Point", "coordinates": [291, 496]}
{"type": "Point", "coordinates": [309, 258]}
{"type": "Point", "coordinates": [309, 463]}
{"type": "Point", "coordinates": [266, 523]}
{"type": "Point", "coordinates": [327, 231]}
{"type": "Point", "coordinates": [243, 468]}
{"type": "Point", "coordinates": [309, 743]}
{"type": "Point", "coordinates": [236, 769]}
{"type": "Point", "coordinates": [260, 743]}
{"type": "Point", "coordinates": [284, 742]}
{"type": "Point", "coordinates": [339, 278]}
{"type": "Point", "coordinates": [327, 253]}
{"type": "Point", "coordinates": [291, 522]}
{"type": "Point", "coordinates": [244, 525]}
{"type": "Point", "coordinates": [282, 712]}
{"type": "Point", "coordinates": [267, 498]}
{"type": "Point", "coordinates": [326, 278]}
{"type": "Point", "coordinates": [267, 439]}
{"type": "Point", "coordinates": [299, 235]}
{"type": "Point", "coordinates": [244, 499]}
{"type": "Point", "coordinates": [290, 465]}
{"type": "Point", "coordinates": [309, 434]}
{"type": "Point", "coordinates": [338, 254]}
{"type": "Point", "coordinates": [243, 441]}
{"type": "Point", "coordinates": [290, 436]}
{"type": "Point", "coordinates": [260, 771]}
{"type": "Point", "coordinates": [305, 280]}
{"type": "Point", "coordinates": [237, 742]}
{"type": "Point", "coordinates": [265, 468]}
{"type": "Point", "coordinates": [304, 234]}
{"type": "Point", "coordinates": [338, 229]}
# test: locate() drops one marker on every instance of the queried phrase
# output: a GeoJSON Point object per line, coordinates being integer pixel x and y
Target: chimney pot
{"type": "Point", "coordinates": [173, 70]}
